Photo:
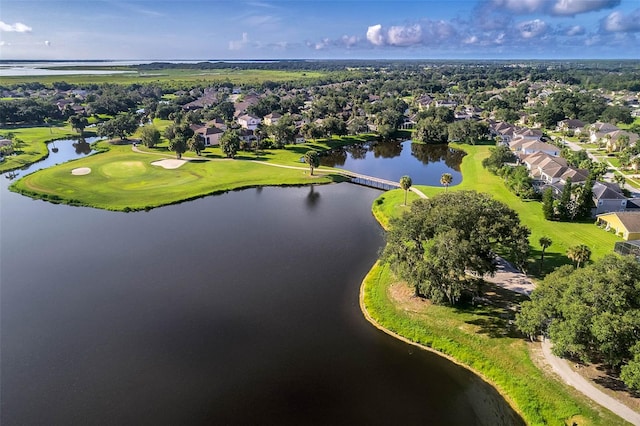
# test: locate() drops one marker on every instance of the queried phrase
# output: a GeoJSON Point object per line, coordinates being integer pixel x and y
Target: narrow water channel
{"type": "Point", "coordinates": [234, 309]}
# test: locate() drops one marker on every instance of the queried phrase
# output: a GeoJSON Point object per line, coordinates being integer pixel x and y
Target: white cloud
{"type": "Point", "coordinates": [18, 27]}
{"type": "Point", "coordinates": [574, 7]}
{"type": "Point", "coordinates": [617, 22]}
{"type": "Point", "coordinates": [519, 6]}
{"type": "Point", "coordinates": [531, 29]}
{"type": "Point", "coordinates": [375, 35]}
{"type": "Point", "coordinates": [350, 41]}
{"type": "Point", "coordinates": [239, 44]}
{"type": "Point", "coordinates": [404, 35]}
{"type": "Point", "coordinates": [554, 7]}
{"type": "Point", "coordinates": [575, 31]}
{"type": "Point", "coordinates": [471, 40]}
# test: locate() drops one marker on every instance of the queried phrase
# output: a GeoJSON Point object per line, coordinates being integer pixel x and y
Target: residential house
{"type": "Point", "coordinates": [531, 147]}
{"type": "Point", "coordinates": [613, 140]}
{"type": "Point", "coordinates": [572, 125]}
{"type": "Point", "coordinates": [248, 121]}
{"type": "Point", "coordinates": [271, 119]}
{"type": "Point", "coordinates": [608, 197]}
{"type": "Point", "coordinates": [217, 122]}
{"type": "Point", "coordinates": [210, 135]}
{"type": "Point", "coordinates": [625, 224]}
{"type": "Point", "coordinates": [598, 130]}
{"type": "Point", "coordinates": [503, 130]}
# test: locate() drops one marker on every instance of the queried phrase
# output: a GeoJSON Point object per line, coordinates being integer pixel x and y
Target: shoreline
{"type": "Point", "coordinates": [376, 324]}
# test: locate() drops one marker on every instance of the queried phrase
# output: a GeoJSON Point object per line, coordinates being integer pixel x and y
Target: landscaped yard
{"type": "Point", "coordinates": [483, 338]}
{"type": "Point", "coordinates": [563, 234]}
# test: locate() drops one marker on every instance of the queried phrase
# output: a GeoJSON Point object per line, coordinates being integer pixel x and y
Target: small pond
{"type": "Point", "coordinates": [391, 160]}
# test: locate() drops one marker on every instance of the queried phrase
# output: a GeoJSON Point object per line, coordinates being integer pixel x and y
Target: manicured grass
{"type": "Point", "coordinates": [35, 144]}
{"type": "Point", "coordinates": [563, 234]}
{"type": "Point", "coordinates": [484, 340]}
{"type": "Point", "coordinates": [124, 180]}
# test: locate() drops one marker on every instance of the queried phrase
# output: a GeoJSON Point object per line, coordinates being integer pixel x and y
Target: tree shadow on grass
{"type": "Point", "coordinates": [494, 310]}
{"type": "Point", "coordinates": [611, 380]}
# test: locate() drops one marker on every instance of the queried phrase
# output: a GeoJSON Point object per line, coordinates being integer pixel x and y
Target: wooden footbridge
{"type": "Point", "coordinates": [374, 182]}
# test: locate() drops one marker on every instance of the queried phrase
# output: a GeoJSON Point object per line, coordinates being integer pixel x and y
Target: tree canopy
{"type": "Point", "coordinates": [440, 240]}
{"type": "Point", "coordinates": [592, 313]}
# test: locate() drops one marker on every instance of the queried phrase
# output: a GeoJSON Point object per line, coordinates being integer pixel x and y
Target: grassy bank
{"type": "Point", "coordinates": [563, 234]}
{"type": "Point", "coordinates": [482, 339]}
{"type": "Point", "coordinates": [124, 180]}
{"type": "Point", "coordinates": [34, 144]}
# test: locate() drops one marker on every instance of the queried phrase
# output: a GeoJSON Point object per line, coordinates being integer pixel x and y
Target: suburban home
{"type": "Point", "coordinates": [598, 131]}
{"type": "Point", "coordinates": [613, 140]}
{"type": "Point", "coordinates": [608, 198]}
{"type": "Point", "coordinates": [247, 135]}
{"type": "Point", "coordinates": [210, 135]}
{"type": "Point", "coordinates": [272, 118]}
{"type": "Point", "coordinates": [525, 147]}
{"type": "Point", "coordinates": [424, 101]}
{"type": "Point", "coordinates": [248, 121]}
{"type": "Point", "coordinates": [503, 130]}
{"type": "Point", "coordinates": [217, 122]}
{"type": "Point", "coordinates": [570, 125]}
{"type": "Point", "coordinates": [625, 224]}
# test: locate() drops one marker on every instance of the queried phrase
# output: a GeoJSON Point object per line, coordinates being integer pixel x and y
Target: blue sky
{"type": "Point", "coordinates": [218, 29]}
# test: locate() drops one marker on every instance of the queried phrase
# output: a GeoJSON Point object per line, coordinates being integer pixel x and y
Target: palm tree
{"type": "Point", "coordinates": [405, 183]}
{"type": "Point", "coordinates": [620, 180]}
{"type": "Point", "coordinates": [579, 254]}
{"type": "Point", "coordinates": [446, 180]}
{"type": "Point", "coordinates": [544, 243]}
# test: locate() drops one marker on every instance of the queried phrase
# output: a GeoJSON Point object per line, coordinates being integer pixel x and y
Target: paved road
{"type": "Point", "coordinates": [512, 279]}
{"type": "Point", "coordinates": [562, 368]}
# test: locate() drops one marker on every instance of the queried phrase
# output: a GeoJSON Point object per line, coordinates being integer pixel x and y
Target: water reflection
{"type": "Point", "coordinates": [438, 153]}
{"type": "Point", "coordinates": [60, 151]}
{"type": "Point", "coordinates": [394, 159]}
{"type": "Point", "coordinates": [388, 149]}
{"type": "Point", "coordinates": [312, 197]}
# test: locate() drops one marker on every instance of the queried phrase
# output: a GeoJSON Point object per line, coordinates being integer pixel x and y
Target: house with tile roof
{"type": "Point", "coordinates": [624, 224]}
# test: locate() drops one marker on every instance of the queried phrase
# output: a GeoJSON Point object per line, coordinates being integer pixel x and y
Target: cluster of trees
{"type": "Point", "coordinates": [27, 111]}
{"type": "Point", "coordinates": [440, 241]}
{"type": "Point", "coordinates": [516, 178]}
{"type": "Point", "coordinates": [590, 313]}
{"type": "Point", "coordinates": [575, 203]}
{"type": "Point", "coordinates": [121, 126]}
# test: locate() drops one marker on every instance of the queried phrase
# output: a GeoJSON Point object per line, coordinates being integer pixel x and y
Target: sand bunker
{"type": "Point", "coordinates": [81, 171]}
{"type": "Point", "coordinates": [169, 163]}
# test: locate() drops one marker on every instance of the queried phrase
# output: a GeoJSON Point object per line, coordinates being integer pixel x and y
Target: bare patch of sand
{"type": "Point", "coordinates": [169, 163]}
{"type": "Point", "coordinates": [81, 171]}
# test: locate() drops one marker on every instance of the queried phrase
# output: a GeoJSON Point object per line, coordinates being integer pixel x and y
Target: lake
{"type": "Point", "coordinates": [391, 160]}
{"type": "Point", "coordinates": [234, 309]}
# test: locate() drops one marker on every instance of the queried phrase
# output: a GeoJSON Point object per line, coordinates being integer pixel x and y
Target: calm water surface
{"type": "Point", "coordinates": [234, 309]}
{"type": "Point", "coordinates": [391, 160]}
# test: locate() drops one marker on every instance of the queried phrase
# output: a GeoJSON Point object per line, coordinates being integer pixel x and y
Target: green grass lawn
{"type": "Point", "coordinates": [35, 144]}
{"type": "Point", "coordinates": [483, 339]}
{"type": "Point", "coordinates": [563, 234]}
{"type": "Point", "coordinates": [124, 180]}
